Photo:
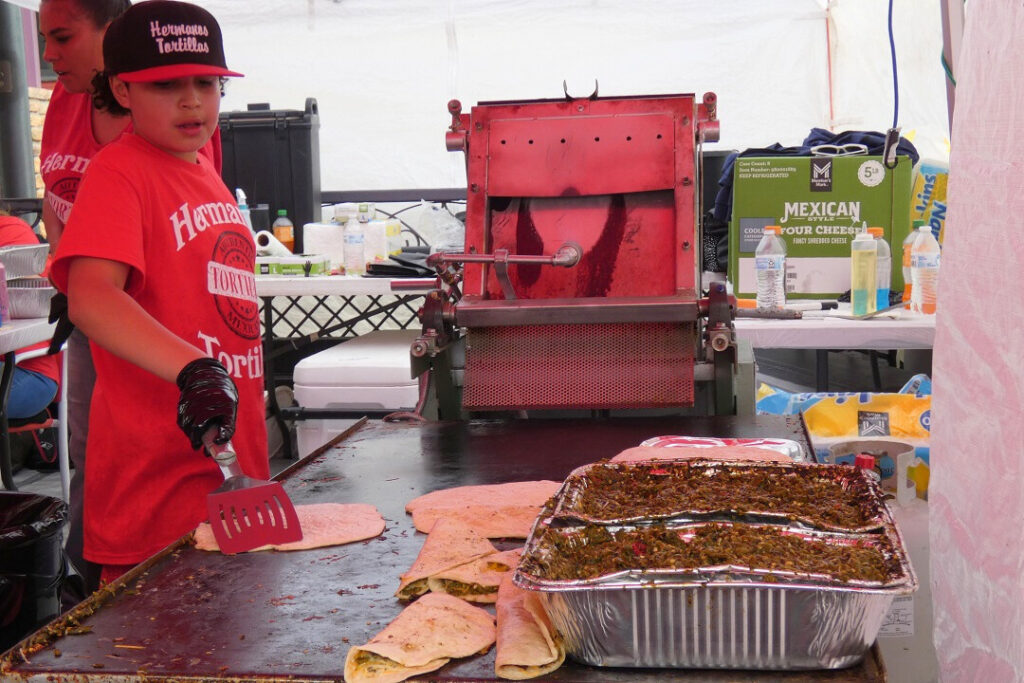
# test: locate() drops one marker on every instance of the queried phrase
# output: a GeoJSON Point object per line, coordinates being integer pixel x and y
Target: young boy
{"type": "Point", "coordinates": [158, 267]}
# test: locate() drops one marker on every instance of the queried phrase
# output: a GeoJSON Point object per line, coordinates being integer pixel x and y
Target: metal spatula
{"type": "Point", "coordinates": [247, 513]}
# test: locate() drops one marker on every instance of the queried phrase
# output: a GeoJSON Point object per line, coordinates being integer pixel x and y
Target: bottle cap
{"type": "Point", "coordinates": [918, 223]}
{"type": "Point", "coordinates": [876, 232]}
{"type": "Point", "coordinates": [282, 212]}
{"type": "Point", "coordinates": [773, 228]}
{"type": "Point", "coordinates": [865, 461]}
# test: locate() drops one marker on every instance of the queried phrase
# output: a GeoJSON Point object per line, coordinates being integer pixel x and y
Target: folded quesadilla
{"type": "Point", "coordinates": [450, 543]}
{"type": "Point", "coordinates": [423, 637]}
{"type": "Point", "coordinates": [528, 645]}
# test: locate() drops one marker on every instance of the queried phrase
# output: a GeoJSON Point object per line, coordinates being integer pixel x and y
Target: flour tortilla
{"type": "Point", "coordinates": [424, 637]}
{"type": "Point", "coordinates": [509, 521]}
{"type": "Point", "coordinates": [736, 453]}
{"type": "Point", "coordinates": [323, 524]}
{"type": "Point", "coordinates": [528, 645]}
{"type": "Point", "coordinates": [516, 492]}
{"type": "Point", "coordinates": [493, 510]}
{"type": "Point", "coordinates": [476, 581]}
{"type": "Point", "coordinates": [449, 544]}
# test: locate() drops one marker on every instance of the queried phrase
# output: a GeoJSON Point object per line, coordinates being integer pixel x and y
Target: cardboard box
{"type": "Point", "coordinates": [820, 203]}
{"type": "Point", "coordinates": [299, 264]}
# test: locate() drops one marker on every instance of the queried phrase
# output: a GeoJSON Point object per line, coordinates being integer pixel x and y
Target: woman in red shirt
{"type": "Point", "coordinates": [35, 381]}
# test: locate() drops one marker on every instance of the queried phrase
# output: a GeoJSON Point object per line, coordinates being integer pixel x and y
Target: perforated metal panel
{"type": "Point", "coordinates": [589, 366]}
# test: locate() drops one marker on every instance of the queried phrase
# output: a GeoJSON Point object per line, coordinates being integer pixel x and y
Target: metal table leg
{"type": "Point", "coordinates": [6, 470]}
{"type": "Point", "coordinates": [822, 369]}
{"type": "Point", "coordinates": [268, 377]}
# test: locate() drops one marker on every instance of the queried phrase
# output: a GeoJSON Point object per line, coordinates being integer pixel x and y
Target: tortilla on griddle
{"type": "Point", "coordinates": [423, 637]}
{"type": "Point", "coordinates": [476, 581]}
{"type": "Point", "coordinates": [528, 645]}
{"type": "Point", "coordinates": [737, 453]}
{"type": "Point", "coordinates": [496, 511]}
{"type": "Point", "coordinates": [323, 524]}
{"type": "Point", "coordinates": [493, 510]}
{"type": "Point", "coordinates": [449, 544]}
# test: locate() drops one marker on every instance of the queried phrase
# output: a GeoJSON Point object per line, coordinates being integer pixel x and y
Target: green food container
{"type": "Point", "coordinates": [819, 203]}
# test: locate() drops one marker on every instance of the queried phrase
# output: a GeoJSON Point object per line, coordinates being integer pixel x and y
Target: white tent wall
{"type": "Point", "coordinates": [383, 71]}
{"type": "Point", "coordinates": [975, 493]}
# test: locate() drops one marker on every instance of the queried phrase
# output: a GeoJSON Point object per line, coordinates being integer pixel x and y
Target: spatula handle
{"type": "Point", "coordinates": [223, 454]}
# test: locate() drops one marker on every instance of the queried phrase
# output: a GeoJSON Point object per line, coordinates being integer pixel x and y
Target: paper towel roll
{"type": "Point", "coordinates": [324, 238]}
{"type": "Point", "coordinates": [268, 245]}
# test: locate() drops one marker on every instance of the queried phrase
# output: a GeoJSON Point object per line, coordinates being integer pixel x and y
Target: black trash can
{"type": "Point", "coordinates": [32, 566]}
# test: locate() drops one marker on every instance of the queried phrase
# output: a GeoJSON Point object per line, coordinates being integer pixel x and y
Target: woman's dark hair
{"type": "Point", "coordinates": [103, 96]}
{"type": "Point", "coordinates": [102, 12]}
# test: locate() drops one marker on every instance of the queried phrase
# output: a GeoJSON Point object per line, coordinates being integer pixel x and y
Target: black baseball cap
{"type": "Point", "coordinates": [159, 40]}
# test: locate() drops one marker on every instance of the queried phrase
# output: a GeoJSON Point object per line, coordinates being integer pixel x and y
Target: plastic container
{"type": "Point", "coordinates": [355, 258]}
{"type": "Point", "coordinates": [925, 256]}
{"type": "Point", "coordinates": [32, 566]}
{"type": "Point", "coordinates": [375, 241]}
{"type": "Point", "coordinates": [393, 227]}
{"type": "Point", "coordinates": [883, 267]}
{"type": "Point", "coordinates": [284, 230]}
{"type": "Point", "coordinates": [908, 244]}
{"type": "Point", "coordinates": [770, 263]}
{"type": "Point", "coordinates": [862, 274]}
{"type": "Point", "coordinates": [275, 156]}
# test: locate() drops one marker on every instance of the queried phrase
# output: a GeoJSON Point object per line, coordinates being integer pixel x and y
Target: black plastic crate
{"type": "Point", "coordinates": [274, 156]}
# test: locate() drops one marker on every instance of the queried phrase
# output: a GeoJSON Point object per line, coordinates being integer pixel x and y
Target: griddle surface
{"type": "Point", "coordinates": [294, 615]}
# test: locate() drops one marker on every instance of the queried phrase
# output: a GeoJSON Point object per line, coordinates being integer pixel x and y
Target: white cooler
{"type": "Point", "coordinates": [367, 372]}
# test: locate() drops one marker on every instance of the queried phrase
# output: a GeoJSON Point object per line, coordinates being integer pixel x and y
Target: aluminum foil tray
{"type": "Point", "coordinates": [24, 260]}
{"type": "Point", "coordinates": [720, 617]}
{"type": "Point", "coordinates": [576, 500]}
{"type": "Point", "coordinates": [29, 297]}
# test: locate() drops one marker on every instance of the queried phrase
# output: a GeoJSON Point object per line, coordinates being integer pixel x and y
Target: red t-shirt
{"type": "Point", "coordinates": [68, 145]}
{"type": "Point", "coordinates": [192, 264]}
{"type": "Point", "coordinates": [14, 231]}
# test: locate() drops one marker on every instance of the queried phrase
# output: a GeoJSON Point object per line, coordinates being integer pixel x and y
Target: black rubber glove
{"type": "Point", "coordinates": [59, 315]}
{"type": "Point", "coordinates": [208, 399]}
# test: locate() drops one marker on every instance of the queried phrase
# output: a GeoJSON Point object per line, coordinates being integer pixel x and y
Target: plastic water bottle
{"type": "Point", "coordinates": [863, 294]}
{"type": "Point", "coordinates": [908, 245]}
{"type": "Point", "coordinates": [770, 263]}
{"type": "Point", "coordinates": [355, 260]}
{"type": "Point", "coordinates": [883, 267]}
{"type": "Point", "coordinates": [924, 270]}
{"type": "Point", "coordinates": [284, 230]}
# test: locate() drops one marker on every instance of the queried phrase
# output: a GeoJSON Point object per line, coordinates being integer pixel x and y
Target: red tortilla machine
{"type": "Point", "coordinates": [578, 287]}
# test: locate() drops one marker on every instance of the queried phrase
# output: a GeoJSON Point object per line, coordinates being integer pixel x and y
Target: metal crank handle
{"type": "Point", "coordinates": [567, 255]}
{"type": "Point", "coordinates": [223, 454]}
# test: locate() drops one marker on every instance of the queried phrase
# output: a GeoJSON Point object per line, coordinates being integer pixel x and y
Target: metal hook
{"type": "Point", "coordinates": [565, 89]}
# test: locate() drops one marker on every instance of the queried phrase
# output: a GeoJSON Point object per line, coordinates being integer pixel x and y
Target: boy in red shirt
{"type": "Point", "coordinates": [167, 298]}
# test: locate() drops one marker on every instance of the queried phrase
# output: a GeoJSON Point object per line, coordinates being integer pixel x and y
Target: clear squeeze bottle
{"type": "Point", "coordinates": [908, 244]}
{"type": "Point", "coordinates": [862, 274]}
{"type": "Point", "coordinates": [924, 270]}
{"type": "Point", "coordinates": [284, 230]}
{"type": "Point", "coordinates": [883, 267]}
{"type": "Point", "coordinates": [770, 263]}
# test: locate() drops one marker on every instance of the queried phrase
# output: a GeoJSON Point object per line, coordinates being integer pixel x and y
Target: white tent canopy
{"type": "Point", "coordinates": [383, 72]}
